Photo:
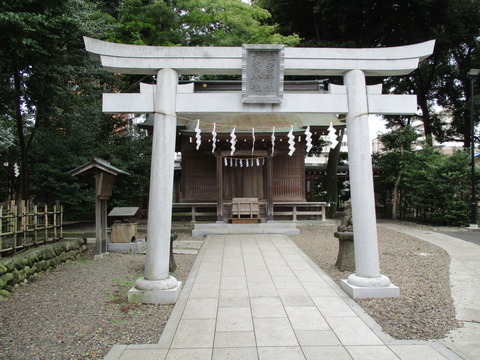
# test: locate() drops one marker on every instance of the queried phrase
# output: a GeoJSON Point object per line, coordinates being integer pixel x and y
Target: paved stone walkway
{"type": "Point", "coordinates": [260, 297]}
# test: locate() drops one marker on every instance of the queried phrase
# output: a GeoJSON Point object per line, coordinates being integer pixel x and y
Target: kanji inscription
{"type": "Point", "coordinates": [262, 74]}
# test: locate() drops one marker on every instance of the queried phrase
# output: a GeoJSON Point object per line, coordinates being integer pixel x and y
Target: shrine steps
{"type": "Point", "coordinates": [286, 228]}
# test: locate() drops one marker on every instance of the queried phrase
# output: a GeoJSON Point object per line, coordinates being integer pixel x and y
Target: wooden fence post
{"type": "Point", "coordinates": [35, 224]}
{"type": "Point", "coordinates": [15, 226]}
{"type": "Point", "coordinates": [20, 225]}
{"type": "Point", "coordinates": [23, 223]}
{"type": "Point", "coordinates": [61, 221]}
{"type": "Point", "coordinates": [54, 222]}
{"type": "Point", "coordinates": [45, 223]}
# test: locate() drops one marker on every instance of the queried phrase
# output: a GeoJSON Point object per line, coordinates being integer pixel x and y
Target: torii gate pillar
{"type": "Point", "coordinates": [367, 281]}
{"type": "Point", "coordinates": [157, 287]}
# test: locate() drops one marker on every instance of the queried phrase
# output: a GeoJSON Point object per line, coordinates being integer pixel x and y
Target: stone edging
{"type": "Point", "coordinates": [19, 269]}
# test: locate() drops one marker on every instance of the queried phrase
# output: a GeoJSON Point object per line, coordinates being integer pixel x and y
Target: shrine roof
{"type": "Point", "coordinates": [125, 212]}
{"type": "Point", "coordinates": [97, 165]}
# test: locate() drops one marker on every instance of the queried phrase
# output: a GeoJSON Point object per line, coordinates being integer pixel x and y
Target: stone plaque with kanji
{"type": "Point", "coordinates": [262, 73]}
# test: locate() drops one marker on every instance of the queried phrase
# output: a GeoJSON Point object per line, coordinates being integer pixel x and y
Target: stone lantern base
{"type": "Point", "coordinates": [346, 251]}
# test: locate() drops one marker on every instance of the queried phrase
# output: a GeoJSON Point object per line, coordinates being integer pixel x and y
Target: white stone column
{"type": "Point", "coordinates": [367, 280]}
{"type": "Point", "coordinates": [157, 286]}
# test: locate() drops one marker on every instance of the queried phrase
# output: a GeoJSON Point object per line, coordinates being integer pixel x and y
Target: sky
{"type": "Point", "coordinates": [376, 126]}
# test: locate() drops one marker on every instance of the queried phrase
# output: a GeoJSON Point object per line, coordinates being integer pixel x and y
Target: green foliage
{"type": "Point", "coordinates": [45, 72]}
{"type": "Point", "coordinates": [440, 80]}
{"type": "Point", "coordinates": [193, 23]}
{"type": "Point", "coordinates": [228, 23]}
{"type": "Point", "coordinates": [147, 22]}
{"type": "Point", "coordinates": [317, 147]}
{"type": "Point", "coordinates": [6, 139]}
{"type": "Point", "coordinates": [434, 187]}
{"type": "Point", "coordinates": [50, 88]}
{"type": "Point", "coordinates": [50, 178]}
{"type": "Point", "coordinates": [133, 155]}
{"type": "Point", "coordinates": [399, 140]}
{"type": "Point", "coordinates": [6, 167]}
{"type": "Point", "coordinates": [438, 185]}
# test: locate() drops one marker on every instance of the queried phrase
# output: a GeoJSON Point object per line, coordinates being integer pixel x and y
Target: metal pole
{"type": "Point", "coordinates": [473, 73]}
{"type": "Point", "coordinates": [473, 215]}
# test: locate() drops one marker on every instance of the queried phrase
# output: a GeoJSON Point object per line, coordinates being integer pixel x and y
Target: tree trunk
{"type": "Point", "coordinates": [395, 196]}
{"type": "Point", "coordinates": [23, 187]}
{"type": "Point", "coordinates": [332, 187]}
{"type": "Point", "coordinates": [422, 101]}
{"type": "Point", "coordinates": [396, 186]}
{"type": "Point", "coordinates": [469, 90]}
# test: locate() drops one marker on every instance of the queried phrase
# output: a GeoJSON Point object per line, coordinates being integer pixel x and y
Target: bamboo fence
{"type": "Point", "coordinates": [24, 225]}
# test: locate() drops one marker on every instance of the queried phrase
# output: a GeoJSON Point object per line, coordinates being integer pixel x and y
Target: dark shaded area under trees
{"type": "Point", "coordinates": [50, 89]}
{"type": "Point", "coordinates": [440, 81]}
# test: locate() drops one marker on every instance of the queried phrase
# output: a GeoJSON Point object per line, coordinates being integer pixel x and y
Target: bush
{"type": "Point", "coordinates": [434, 187]}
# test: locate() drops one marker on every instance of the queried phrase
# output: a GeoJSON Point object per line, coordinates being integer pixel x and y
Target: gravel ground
{"type": "Point", "coordinates": [80, 309]}
{"type": "Point", "coordinates": [425, 307]}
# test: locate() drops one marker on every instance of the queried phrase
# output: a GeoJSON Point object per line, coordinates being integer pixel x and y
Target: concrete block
{"type": "Point", "coordinates": [262, 228]}
{"type": "Point", "coordinates": [169, 296]}
{"type": "Point", "coordinates": [357, 292]}
{"type": "Point", "coordinates": [133, 247]}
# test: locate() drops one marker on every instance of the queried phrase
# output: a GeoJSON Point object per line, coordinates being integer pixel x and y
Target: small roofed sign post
{"type": "Point", "coordinates": [105, 174]}
{"type": "Point", "coordinates": [172, 103]}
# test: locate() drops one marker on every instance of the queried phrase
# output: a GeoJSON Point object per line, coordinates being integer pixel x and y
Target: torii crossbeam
{"type": "Point", "coordinates": [170, 101]}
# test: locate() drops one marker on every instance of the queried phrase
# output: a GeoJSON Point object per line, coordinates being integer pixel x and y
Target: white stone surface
{"type": "Point", "coordinates": [302, 105]}
{"type": "Point", "coordinates": [157, 287]}
{"type": "Point", "coordinates": [161, 178]}
{"type": "Point", "coordinates": [262, 228]}
{"type": "Point", "coordinates": [381, 281]}
{"type": "Point", "coordinates": [165, 284]}
{"type": "Point", "coordinates": [367, 264]}
{"type": "Point", "coordinates": [155, 296]}
{"type": "Point", "coordinates": [357, 292]}
{"type": "Point", "coordinates": [135, 59]}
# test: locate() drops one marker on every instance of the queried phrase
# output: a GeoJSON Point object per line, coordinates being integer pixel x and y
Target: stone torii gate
{"type": "Point", "coordinates": [262, 94]}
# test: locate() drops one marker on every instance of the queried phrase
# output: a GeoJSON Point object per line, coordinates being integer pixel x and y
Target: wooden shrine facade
{"type": "Point", "coordinates": [219, 177]}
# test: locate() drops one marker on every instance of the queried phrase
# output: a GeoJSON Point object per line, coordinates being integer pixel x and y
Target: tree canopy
{"type": "Point", "coordinates": [50, 88]}
{"type": "Point", "coordinates": [44, 72]}
{"type": "Point", "coordinates": [441, 80]}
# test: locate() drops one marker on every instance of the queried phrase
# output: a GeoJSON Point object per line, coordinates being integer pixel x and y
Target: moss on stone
{"type": "Point", "coordinates": [25, 266]}
{"type": "Point", "coordinates": [8, 277]}
{"type": "Point", "coordinates": [5, 293]}
{"type": "Point", "coordinates": [3, 269]}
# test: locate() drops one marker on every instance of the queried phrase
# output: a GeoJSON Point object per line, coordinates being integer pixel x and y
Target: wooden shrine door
{"type": "Point", "coordinates": [243, 182]}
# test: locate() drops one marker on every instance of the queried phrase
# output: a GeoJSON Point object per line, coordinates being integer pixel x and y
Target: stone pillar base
{"type": "Point", "coordinates": [361, 292]}
{"type": "Point", "coordinates": [155, 291]}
